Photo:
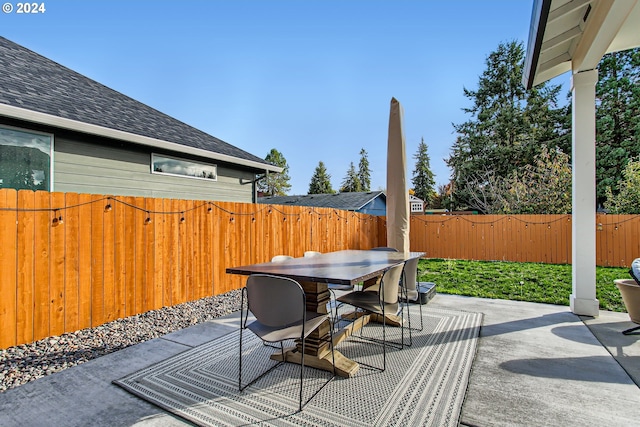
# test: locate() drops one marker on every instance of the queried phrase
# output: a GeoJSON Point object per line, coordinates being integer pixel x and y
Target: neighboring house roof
{"type": "Point", "coordinates": [37, 89]}
{"type": "Point", "coordinates": [343, 201]}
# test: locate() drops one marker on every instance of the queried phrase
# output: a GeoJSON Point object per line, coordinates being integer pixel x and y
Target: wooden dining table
{"type": "Point", "coordinates": [349, 267]}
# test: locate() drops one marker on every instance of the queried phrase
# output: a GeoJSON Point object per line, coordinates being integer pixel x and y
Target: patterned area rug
{"type": "Point", "coordinates": [424, 384]}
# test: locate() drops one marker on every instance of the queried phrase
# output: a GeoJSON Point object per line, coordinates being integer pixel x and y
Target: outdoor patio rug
{"type": "Point", "coordinates": [424, 384]}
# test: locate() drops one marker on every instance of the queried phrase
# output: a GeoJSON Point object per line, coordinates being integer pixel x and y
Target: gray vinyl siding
{"type": "Point", "coordinates": [84, 167]}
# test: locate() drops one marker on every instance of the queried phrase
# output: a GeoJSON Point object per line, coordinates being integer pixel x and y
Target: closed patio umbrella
{"type": "Point", "coordinates": [397, 191]}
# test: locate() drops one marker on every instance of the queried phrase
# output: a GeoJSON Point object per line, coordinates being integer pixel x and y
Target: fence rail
{"type": "Point", "coordinates": [70, 261]}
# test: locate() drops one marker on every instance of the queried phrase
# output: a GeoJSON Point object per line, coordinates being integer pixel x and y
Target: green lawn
{"type": "Point", "coordinates": [535, 282]}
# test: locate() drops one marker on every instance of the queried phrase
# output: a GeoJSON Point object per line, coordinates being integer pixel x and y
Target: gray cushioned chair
{"type": "Point", "coordinates": [279, 307]}
{"type": "Point", "coordinates": [408, 292]}
{"type": "Point", "coordinates": [411, 285]}
{"type": "Point", "coordinates": [382, 302]}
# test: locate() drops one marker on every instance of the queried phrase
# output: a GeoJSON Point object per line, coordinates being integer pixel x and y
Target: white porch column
{"type": "Point", "coordinates": [583, 252]}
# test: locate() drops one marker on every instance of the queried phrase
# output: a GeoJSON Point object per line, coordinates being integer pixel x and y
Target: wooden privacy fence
{"type": "Point", "coordinates": [70, 261]}
{"type": "Point", "coordinates": [523, 238]}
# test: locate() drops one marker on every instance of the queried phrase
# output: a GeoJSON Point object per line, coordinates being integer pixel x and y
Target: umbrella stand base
{"type": "Point", "coordinates": [426, 291]}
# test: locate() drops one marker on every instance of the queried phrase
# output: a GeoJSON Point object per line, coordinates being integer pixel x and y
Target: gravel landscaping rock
{"type": "Point", "coordinates": [28, 362]}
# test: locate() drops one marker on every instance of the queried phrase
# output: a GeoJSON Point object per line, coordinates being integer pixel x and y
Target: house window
{"type": "Point", "coordinates": [25, 159]}
{"type": "Point", "coordinates": [181, 167]}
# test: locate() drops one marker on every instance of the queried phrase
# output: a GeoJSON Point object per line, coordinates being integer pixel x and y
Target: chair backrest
{"type": "Point", "coordinates": [275, 301]}
{"type": "Point", "coordinates": [391, 280]}
{"type": "Point", "coordinates": [411, 273]}
{"type": "Point", "coordinates": [308, 254]}
{"type": "Point", "coordinates": [280, 258]}
{"type": "Point", "coordinates": [384, 248]}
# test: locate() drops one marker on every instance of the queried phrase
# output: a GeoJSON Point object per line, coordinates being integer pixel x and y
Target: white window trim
{"type": "Point", "coordinates": [51, 150]}
{"type": "Point", "coordinates": [184, 160]}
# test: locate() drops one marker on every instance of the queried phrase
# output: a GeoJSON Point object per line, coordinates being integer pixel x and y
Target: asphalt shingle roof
{"type": "Point", "coordinates": [31, 81]}
{"type": "Point", "coordinates": [343, 201]}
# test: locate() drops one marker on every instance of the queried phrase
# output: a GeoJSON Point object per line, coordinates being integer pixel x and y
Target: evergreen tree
{"type": "Point", "coordinates": [351, 182]}
{"type": "Point", "coordinates": [508, 126]}
{"type": "Point", "coordinates": [617, 118]}
{"type": "Point", "coordinates": [275, 184]}
{"type": "Point", "coordinates": [364, 173]}
{"type": "Point", "coordinates": [423, 182]}
{"type": "Point", "coordinates": [320, 181]}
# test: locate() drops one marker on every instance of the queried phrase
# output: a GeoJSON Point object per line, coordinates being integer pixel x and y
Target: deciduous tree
{"type": "Point", "coordinates": [627, 200]}
{"type": "Point", "coordinates": [541, 188]}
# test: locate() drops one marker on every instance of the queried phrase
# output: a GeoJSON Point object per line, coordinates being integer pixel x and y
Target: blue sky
{"type": "Point", "coordinates": [312, 79]}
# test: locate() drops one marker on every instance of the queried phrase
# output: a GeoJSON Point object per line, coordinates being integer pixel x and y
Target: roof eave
{"type": "Point", "coordinates": [539, 17]}
{"type": "Point", "coordinates": [75, 125]}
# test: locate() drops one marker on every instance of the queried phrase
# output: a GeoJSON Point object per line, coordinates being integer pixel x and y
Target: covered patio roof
{"type": "Point", "coordinates": [573, 35]}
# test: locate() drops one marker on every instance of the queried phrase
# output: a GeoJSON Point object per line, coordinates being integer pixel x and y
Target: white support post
{"type": "Point", "coordinates": [583, 252]}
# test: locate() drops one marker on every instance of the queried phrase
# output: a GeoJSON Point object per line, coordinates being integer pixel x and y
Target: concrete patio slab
{"type": "Point", "coordinates": [539, 364]}
{"type": "Point", "coordinates": [536, 364]}
{"type": "Point", "coordinates": [607, 328]}
{"type": "Point", "coordinates": [84, 395]}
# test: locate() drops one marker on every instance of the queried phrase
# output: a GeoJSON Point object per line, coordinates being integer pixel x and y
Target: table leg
{"type": "Point", "coordinates": [392, 319]}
